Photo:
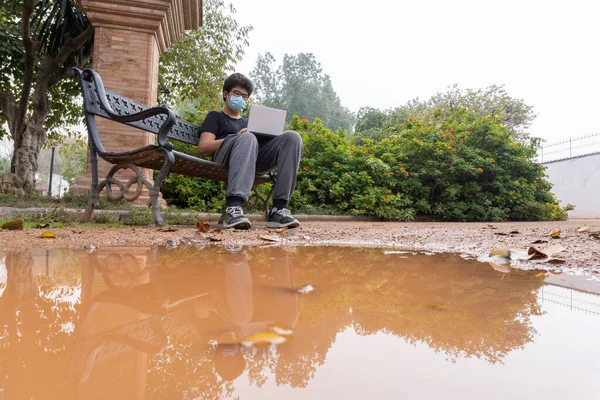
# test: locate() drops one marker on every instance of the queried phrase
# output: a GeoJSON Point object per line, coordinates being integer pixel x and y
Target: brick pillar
{"type": "Point", "coordinates": [129, 37]}
{"type": "Point", "coordinates": [127, 62]}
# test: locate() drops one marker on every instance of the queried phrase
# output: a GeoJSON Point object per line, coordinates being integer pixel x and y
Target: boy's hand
{"type": "Point", "coordinates": [243, 130]}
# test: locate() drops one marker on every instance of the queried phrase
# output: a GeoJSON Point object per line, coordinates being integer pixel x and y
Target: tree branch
{"type": "Point", "coordinates": [72, 44]}
{"type": "Point", "coordinates": [29, 45]}
{"type": "Point", "coordinates": [53, 70]}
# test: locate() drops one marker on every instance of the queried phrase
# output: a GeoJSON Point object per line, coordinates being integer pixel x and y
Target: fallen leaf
{"type": "Point", "coordinates": [539, 274]}
{"type": "Point", "coordinates": [263, 339]}
{"type": "Point", "coordinates": [505, 268]}
{"type": "Point", "coordinates": [595, 235]}
{"type": "Point", "coordinates": [269, 238]}
{"type": "Point", "coordinates": [554, 234]}
{"type": "Point", "coordinates": [305, 289]}
{"type": "Point", "coordinates": [539, 241]}
{"type": "Point", "coordinates": [167, 229]}
{"type": "Point", "coordinates": [556, 261]}
{"type": "Point", "coordinates": [500, 252]}
{"type": "Point", "coordinates": [13, 225]}
{"type": "Point", "coordinates": [492, 227]}
{"type": "Point", "coordinates": [554, 249]}
{"type": "Point", "coordinates": [202, 226]}
{"type": "Point", "coordinates": [584, 228]}
{"type": "Point", "coordinates": [537, 254]}
{"type": "Point", "coordinates": [500, 233]}
{"type": "Point", "coordinates": [278, 231]}
{"type": "Point", "coordinates": [48, 235]}
{"type": "Point", "coordinates": [214, 239]}
{"type": "Point", "coordinates": [514, 232]}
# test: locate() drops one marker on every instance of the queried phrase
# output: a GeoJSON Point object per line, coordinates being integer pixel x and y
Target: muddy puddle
{"type": "Point", "coordinates": [290, 323]}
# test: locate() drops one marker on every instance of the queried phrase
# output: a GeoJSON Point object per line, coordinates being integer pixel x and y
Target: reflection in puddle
{"type": "Point", "coordinates": [157, 323]}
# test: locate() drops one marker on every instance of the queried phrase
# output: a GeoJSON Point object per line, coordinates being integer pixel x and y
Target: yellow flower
{"type": "Point", "coordinates": [480, 169]}
{"type": "Point", "coordinates": [516, 182]}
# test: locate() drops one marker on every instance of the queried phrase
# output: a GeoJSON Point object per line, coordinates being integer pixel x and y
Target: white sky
{"type": "Point", "coordinates": [382, 53]}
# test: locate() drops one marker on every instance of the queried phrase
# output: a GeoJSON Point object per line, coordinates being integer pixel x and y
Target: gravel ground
{"type": "Point", "coordinates": [582, 250]}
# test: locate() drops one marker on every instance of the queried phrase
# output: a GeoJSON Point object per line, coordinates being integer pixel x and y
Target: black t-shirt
{"type": "Point", "coordinates": [221, 124]}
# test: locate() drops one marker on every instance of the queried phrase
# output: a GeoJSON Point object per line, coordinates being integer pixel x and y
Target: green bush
{"type": "Point", "coordinates": [456, 166]}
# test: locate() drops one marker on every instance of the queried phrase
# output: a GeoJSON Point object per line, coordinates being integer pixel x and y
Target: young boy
{"type": "Point", "coordinates": [224, 134]}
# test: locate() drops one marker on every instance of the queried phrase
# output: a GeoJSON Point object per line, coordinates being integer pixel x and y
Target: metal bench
{"type": "Point", "coordinates": [161, 157]}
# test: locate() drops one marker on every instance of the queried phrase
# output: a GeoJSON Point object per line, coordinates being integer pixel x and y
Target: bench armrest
{"type": "Point", "coordinates": [90, 75]}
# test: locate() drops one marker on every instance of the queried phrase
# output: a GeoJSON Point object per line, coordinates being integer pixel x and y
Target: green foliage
{"type": "Point", "coordinates": [140, 216]}
{"type": "Point", "coordinates": [513, 113]}
{"type": "Point", "coordinates": [74, 156]}
{"type": "Point", "coordinates": [300, 87]}
{"type": "Point", "coordinates": [196, 65]}
{"type": "Point", "coordinates": [194, 193]}
{"type": "Point", "coordinates": [457, 167]}
{"type": "Point", "coordinates": [52, 23]}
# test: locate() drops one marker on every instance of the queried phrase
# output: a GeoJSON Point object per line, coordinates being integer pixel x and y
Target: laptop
{"type": "Point", "coordinates": [266, 122]}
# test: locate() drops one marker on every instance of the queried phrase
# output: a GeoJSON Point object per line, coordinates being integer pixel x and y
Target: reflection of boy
{"type": "Point", "coordinates": [224, 133]}
{"type": "Point", "coordinates": [243, 311]}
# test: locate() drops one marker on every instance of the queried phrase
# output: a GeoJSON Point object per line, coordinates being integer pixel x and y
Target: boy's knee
{"type": "Point", "coordinates": [293, 137]}
{"type": "Point", "coordinates": [247, 139]}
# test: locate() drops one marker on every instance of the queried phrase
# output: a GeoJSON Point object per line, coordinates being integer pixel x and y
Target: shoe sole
{"type": "Point", "coordinates": [290, 225]}
{"type": "Point", "coordinates": [238, 225]}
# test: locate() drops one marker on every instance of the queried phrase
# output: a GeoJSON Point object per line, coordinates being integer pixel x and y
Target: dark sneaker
{"type": "Point", "coordinates": [233, 217]}
{"type": "Point", "coordinates": [282, 219]}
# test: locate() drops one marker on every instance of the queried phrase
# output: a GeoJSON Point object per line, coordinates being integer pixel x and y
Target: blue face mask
{"type": "Point", "coordinates": [237, 103]}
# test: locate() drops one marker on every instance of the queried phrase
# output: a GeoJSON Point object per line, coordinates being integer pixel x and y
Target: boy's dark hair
{"type": "Point", "coordinates": [240, 80]}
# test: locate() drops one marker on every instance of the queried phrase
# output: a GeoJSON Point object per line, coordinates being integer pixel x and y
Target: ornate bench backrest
{"type": "Point", "coordinates": [181, 130]}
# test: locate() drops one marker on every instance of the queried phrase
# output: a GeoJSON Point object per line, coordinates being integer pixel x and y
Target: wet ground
{"type": "Point", "coordinates": [581, 252]}
{"type": "Point", "coordinates": [226, 321]}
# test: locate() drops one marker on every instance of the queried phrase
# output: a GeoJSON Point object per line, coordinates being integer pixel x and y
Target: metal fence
{"type": "Point", "coordinates": [570, 148]}
{"type": "Point", "coordinates": [575, 300]}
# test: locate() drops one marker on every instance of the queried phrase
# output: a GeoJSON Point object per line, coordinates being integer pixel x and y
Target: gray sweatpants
{"type": "Point", "coordinates": [244, 157]}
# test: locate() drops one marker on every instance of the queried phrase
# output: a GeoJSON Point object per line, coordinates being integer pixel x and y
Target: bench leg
{"type": "Point", "coordinates": [89, 210]}
{"type": "Point", "coordinates": [94, 200]}
{"type": "Point", "coordinates": [155, 190]}
{"type": "Point", "coordinates": [267, 202]}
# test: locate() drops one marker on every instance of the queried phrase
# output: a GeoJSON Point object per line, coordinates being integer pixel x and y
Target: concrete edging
{"type": "Point", "coordinates": [122, 214]}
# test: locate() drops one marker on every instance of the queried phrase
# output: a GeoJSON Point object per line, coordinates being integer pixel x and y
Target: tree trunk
{"type": "Point", "coordinates": [27, 149]}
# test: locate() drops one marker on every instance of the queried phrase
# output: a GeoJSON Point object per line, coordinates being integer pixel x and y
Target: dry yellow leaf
{"type": "Point", "coordinates": [554, 234]}
{"type": "Point", "coordinates": [539, 274]}
{"type": "Point", "coordinates": [584, 228]}
{"type": "Point", "coordinates": [48, 235]}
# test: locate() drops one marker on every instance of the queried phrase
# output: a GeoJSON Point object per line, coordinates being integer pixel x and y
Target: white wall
{"type": "Point", "coordinates": [577, 181]}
